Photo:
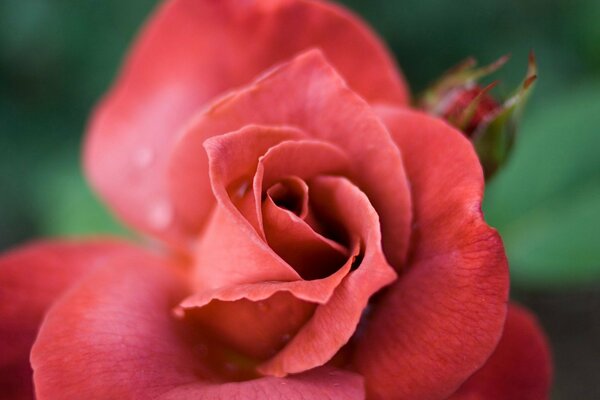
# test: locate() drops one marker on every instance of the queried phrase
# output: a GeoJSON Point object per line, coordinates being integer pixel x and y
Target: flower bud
{"type": "Point", "coordinates": [491, 124]}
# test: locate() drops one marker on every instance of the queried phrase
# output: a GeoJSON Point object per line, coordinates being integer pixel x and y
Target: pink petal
{"type": "Point", "coordinates": [192, 51]}
{"type": "Point", "coordinates": [319, 383]}
{"type": "Point", "coordinates": [31, 279]}
{"type": "Point", "coordinates": [230, 237]}
{"type": "Point", "coordinates": [519, 369]}
{"type": "Point", "coordinates": [311, 254]}
{"type": "Point", "coordinates": [294, 240]}
{"type": "Point", "coordinates": [290, 193]}
{"type": "Point", "coordinates": [334, 323]}
{"type": "Point", "coordinates": [231, 252]}
{"type": "Point", "coordinates": [444, 316]}
{"type": "Point", "coordinates": [295, 190]}
{"type": "Point", "coordinates": [305, 93]}
{"type": "Point", "coordinates": [317, 291]}
{"type": "Point", "coordinates": [257, 319]}
{"type": "Point", "coordinates": [114, 337]}
{"type": "Point", "coordinates": [254, 320]}
{"type": "Point", "coordinates": [301, 158]}
{"type": "Point", "coordinates": [233, 161]}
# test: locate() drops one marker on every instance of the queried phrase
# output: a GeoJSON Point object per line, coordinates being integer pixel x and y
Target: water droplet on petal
{"type": "Point", "coordinates": [161, 215]}
{"type": "Point", "coordinates": [285, 337]}
{"type": "Point", "coordinates": [178, 312]}
{"type": "Point", "coordinates": [242, 189]}
{"type": "Point", "coordinates": [143, 157]}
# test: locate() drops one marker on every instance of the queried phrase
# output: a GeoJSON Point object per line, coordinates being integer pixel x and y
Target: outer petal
{"type": "Point", "coordinates": [114, 337]}
{"type": "Point", "coordinates": [444, 316]}
{"type": "Point", "coordinates": [31, 279]}
{"type": "Point", "coordinates": [309, 94]}
{"type": "Point", "coordinates": [194, 50]}
{"type": "Point", "coordinates": [520, 367]}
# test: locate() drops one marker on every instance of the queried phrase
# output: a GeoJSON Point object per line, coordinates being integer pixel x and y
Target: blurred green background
{"type": "Point", "coordinates": [57, 57]}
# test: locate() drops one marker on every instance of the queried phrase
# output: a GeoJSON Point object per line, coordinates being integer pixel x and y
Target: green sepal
{"type": "Point", "coordinates": [495, 137]}
{"type": "Point", "coordinates": [462, 76]}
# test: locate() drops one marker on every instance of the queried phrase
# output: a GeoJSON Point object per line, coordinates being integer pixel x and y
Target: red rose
{"type": "Point", "coordinates": [323, 240]}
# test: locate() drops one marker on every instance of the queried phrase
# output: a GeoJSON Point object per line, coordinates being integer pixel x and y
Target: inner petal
{"type": "Point", "coordinates": [233, 159]}
{"type": "Point", "coordinates": [349, 212]}
{"type": "Point", "coordinates": [256, 329]}
{"type": "Point", "coordinates": [256, 320]}
{"type": "Point", "coordinates": [301, 158]}
{"type": "Point", "coordinates": [249, 323]}
{"type": "Point", "coordinates": [290, 194]}
{"type": "Point", "coordinates": [312, 255]}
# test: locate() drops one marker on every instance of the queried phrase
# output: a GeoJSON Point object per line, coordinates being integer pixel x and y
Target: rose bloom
{"type": "Point", "coordinates": [314, 238]}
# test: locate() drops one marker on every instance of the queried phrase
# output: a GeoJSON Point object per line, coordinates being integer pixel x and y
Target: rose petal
{"type": "Point", "coordinates": [258, 319]}
{"type": "Point", "coordinates": [192, 51]}
{"type": "Point", "coordinates": [334, 323]}
{"type": "Point", "coordinates": [520, 367]}
{"type": "Point", "coordinates": [114, 337]}
{"type": "Point", "coordinates": [251, 315]}
{"type": "Point", "coordinates": [233, 160]}
{"type": "Point", "coordinates": [301, 158]}
{"type": "Point", "coordinates": [306, 93]}
{"type": "Point", "coordinates": [256, 329]}
{"type": "Point", "coordinates": [444, 316]}
{"type": "Point", "coordinates": [290, 194]}
{"type": "Point", "coordinates": [229, 238]}
{"type": "Point", "coordinates": [312, 255]}
{"type": "Point", "coordinates": [319, 383]}
{"type": "Point", "coordinates": [31, 279]}
{"type": "Point", "coordinates": [230, 252]}
{"type": "Point", "coordinates": [316, 291]}
{"type": "Point", "coordinates": [296, 187]}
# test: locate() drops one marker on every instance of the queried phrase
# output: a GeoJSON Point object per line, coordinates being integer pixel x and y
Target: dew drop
{"type": "Point", "coordinates": [178, 313]}
{"type": "Point", "coordinates": [285, 337]}
{"type": "Point", "coordinates": [242, 189]}
{"type": "Point", "coordinates": [143, 157]}
{"type": "Point", "coordinates": [161, 215]}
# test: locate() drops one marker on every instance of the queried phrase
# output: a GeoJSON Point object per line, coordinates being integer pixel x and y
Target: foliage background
{"type": "Point", "coordinates": [57, 57]}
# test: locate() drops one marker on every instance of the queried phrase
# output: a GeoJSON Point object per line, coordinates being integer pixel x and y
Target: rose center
{"type": "Point", "coordinates": [291, 195]}
{"type": "Point", "coordinates": [294, 233]}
